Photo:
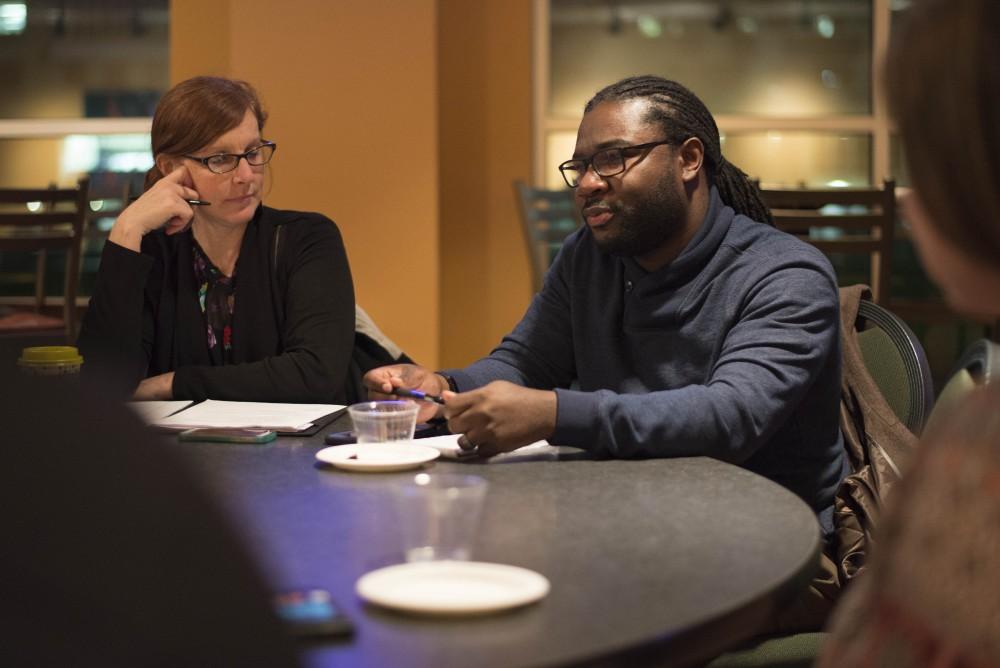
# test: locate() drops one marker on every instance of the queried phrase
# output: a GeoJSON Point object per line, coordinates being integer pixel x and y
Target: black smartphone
{"type": "Point", "coordinates": [311, 613]}
{"type": "Point", "coordinates": [423, 430]}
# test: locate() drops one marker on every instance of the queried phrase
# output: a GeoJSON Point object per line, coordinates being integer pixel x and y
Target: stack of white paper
{"type": "Point", "coordinates": [279, 417]}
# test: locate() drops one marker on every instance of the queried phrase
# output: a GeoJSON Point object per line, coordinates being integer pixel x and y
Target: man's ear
{"type": "Point", "coordinates": [690, 156]}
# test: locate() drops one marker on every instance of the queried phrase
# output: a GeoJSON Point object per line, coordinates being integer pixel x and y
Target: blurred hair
{"type": "Point", "coordinates": [197, 111]}
{"type": "Point", "coordinates": [943, 83]}
{"type": "Point", "coordinates": [682, 115]}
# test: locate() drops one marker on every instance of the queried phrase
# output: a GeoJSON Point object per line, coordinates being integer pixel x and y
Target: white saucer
{"type": "Point", "coordinates": [377, 457]}
{"type": "Point", "coordinates": [452, 587]}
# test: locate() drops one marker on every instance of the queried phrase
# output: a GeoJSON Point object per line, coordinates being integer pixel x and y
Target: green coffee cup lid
{"type": "Point", "coordinates": [44, 355]}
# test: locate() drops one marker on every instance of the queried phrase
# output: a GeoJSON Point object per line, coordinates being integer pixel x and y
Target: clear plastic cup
{"type": "Point", "coordinates": [439, 515]}
{"type": "Point", "coordinates": [384, 421]}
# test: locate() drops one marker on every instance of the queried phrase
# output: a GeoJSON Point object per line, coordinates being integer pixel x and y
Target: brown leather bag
{"type": "Point", "coordinates": [878, 444]}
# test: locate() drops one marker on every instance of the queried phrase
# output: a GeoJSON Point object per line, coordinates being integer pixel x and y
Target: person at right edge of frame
{"type": "Point", "coordinates": [930, 594]}
{"type": "Point", "coordinates": [678, 321]}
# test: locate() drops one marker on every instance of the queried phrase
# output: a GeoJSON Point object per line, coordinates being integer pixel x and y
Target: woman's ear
{"type": "Point", "coordinates": [165, 164]}
{"type": "Point", "coordinates": [691, 156]}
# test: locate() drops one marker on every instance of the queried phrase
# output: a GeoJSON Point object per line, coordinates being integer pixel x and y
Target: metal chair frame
{"type": "Point", "coordinates": [919, 384]}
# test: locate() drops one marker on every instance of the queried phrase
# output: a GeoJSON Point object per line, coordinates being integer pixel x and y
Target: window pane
{"type": "Point", "coordinates": [558, 149]}
{"type": "Point", "coordinates": [801, 159]}
{"type": "Point", "coordinates": [768, 57]}
{"type": "Point", "coordinates": [79, 58]}
{"type": "Point", "coordinates": [897, 161]}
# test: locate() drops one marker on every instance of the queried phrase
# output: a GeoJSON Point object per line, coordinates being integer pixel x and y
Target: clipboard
{"type": "Point", "coordinates": [317, 425]}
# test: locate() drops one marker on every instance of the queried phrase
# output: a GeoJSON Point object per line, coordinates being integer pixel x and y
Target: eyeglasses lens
{"type": "Point", "coordinates": [609, 163]}
{"type": "Point", "coordinates": [225, 162]}
{"type": "Point", "coordinates": [260, 155]}
{"type": "Point", "coordinates": [572, 172]}
{"type": "Point", "coordinates": [222, 163]}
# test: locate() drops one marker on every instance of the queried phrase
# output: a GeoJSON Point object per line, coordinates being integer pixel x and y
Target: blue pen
{"type": "Point", "coordinates": [417, 394]}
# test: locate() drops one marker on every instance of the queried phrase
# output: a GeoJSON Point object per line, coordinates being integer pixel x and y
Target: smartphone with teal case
{"type": "Point", "coordinates": [229, 435]}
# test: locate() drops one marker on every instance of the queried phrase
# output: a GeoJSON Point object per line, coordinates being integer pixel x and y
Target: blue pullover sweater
{"type": "Point", "coordinates": [730, 351]}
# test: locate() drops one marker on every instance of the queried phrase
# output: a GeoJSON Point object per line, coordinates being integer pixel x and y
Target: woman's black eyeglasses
{"type": "Point", "coordinates": [220, 163]}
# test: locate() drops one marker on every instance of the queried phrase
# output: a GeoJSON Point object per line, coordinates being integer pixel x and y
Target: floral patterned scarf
{"type": "Point", "coordinates": [217, 296]}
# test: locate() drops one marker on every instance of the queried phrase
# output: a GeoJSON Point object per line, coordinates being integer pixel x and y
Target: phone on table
{"type": "Point", "coordinates": [423, 430]}
{"type": "Point", "coordinates": [311, 613]}
{"type": "Point", "coordinates": [229, 435]}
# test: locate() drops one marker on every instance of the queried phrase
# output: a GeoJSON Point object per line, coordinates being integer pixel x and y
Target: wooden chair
{"type": "Point", "coordinates": [843, 220]}
{"type": "Point", "coordinates": [57, 224]}
{"type": "Point", "coordinates": [547, 217]}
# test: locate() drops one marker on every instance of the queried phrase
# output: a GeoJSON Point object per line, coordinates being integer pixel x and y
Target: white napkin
{"type": "Point", "coordinates": [448, 445]}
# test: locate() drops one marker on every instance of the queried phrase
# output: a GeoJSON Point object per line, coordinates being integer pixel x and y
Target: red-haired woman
{"type": "Point", "coordinates": [202, 291]}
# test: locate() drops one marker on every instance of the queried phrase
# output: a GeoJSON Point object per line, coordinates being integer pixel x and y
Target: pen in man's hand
{"type": "Point", "coordinates": [417, 394]}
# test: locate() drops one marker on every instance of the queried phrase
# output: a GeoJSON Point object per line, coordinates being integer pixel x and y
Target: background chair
{"type": "Point", "coordinates": [794, 651]}
{"type": "Point", "coordinates": [372, 348]}
{"type": "Point", "coordinates": [41, 220]}
{"type": "Point", "coordinates": [848, 221]}
{"type": "Point", "coordinates": [980, 364]}
{"type": "Point", "coordinates": [547, 217]}
{"type": "Point", "coordinates": [895, 360]}
{"type": "Point", "coordinates": [897, 363]}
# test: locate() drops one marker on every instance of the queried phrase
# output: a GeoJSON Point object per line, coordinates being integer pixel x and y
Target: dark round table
{"type": "Point", "coordinates": [662, 562]}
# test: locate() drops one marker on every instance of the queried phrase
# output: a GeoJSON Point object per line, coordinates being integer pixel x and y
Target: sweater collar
{"type": "Point", "coordinates": [699, 250]}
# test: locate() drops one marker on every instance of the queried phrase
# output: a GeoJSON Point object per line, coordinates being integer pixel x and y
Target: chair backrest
{"type": "Point", "coordinates": [372, 348]}
{"type": "Point", "coordinates": [57, 223]}
{"type": "Point", "coordinates": [363, 323]}
{"type": "Point", "coordinates": [843, 220]}
{"type": "Point", "coordinates": [897, 363]}
{"type": "Point", "coordinates": [979, 365]}
{"type": "Point", "coordinates": [547, 217]}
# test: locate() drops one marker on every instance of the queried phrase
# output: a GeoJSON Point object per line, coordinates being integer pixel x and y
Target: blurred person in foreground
{"type": "Point", "coordinates": [227, 299]}
{"type": "Point", "coordinates": [115, 554]}
{"type": "Point", "coordinates": [931, 595]}
{"type": "Point", "coordinates": [676, 322]}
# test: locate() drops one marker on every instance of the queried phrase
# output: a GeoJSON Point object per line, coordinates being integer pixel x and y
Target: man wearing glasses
{"type": "Point", "coordinates": [676, 322]}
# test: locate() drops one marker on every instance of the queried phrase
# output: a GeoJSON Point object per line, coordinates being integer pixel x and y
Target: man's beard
{"type": "Point", "coordinates": [646, 224]}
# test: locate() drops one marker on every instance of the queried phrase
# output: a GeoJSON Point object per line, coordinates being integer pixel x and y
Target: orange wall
{"type": "Point", "coordinates": [484, 73]}
{"type": "Point", "coordinates": [405, 121]}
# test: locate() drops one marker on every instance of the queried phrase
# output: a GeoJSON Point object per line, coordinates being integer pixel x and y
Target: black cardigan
{"type": "Point", "coordinates": [293, 321]}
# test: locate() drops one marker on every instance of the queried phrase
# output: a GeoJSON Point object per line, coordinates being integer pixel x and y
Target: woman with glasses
{"type": "Point", "coordinates": [204, 292]}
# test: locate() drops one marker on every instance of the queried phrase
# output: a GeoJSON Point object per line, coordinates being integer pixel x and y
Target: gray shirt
{"type": "Point", "coordinates": [729, 351]}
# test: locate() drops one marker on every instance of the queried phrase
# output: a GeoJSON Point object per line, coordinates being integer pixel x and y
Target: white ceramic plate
{"type": "Point", "coordinates": [452, 587]}
{"type": "Point", "coordinates": [378, 457]}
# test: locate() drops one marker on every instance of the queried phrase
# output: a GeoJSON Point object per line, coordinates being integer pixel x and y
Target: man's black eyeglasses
{"type": "Point", "coordinates": [608, 162]}
{"type": "Point", "coordinates": [220, 163]}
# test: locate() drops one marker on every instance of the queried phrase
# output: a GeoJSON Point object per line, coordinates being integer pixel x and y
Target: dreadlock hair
{"type": "Point", "coordinates": [682, 115]}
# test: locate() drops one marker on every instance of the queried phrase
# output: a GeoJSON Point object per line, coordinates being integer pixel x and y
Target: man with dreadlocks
{"type": "Point", "coordinates": [676, 322]}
